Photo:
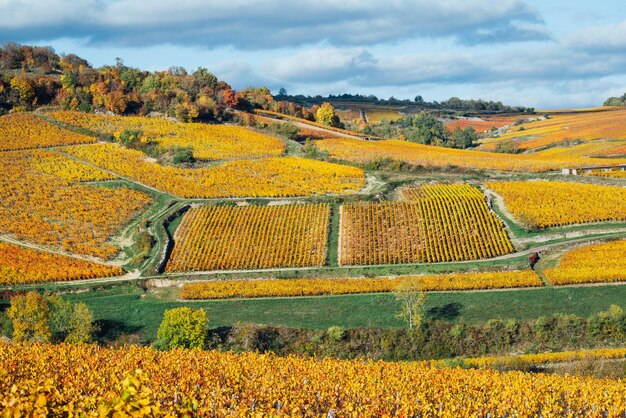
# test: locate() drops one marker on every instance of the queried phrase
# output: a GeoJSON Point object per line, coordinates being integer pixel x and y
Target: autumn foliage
{"type": "Point", "coordinates": [438, 223]}
{"type": "Point", "coordinates": [225, 289]}
{"type": "Point", "coordinates": [41, 379]}
{"type": "Point", "coordinates": [431, 156]}
{"type": "Point", "coordinates": [594, 263]}
{"type": "Point", "coordinates": [41, 206]}
{"type": "Point", "coordinates": [23, 265]}
{"type": "Point", "coordinates": [544, 204]}
{"type": "Point", "coordinates": [209, 142]}
{"type": "Point", "coordinates": [230, 237]}
{"type": "Point", "coordinates": [272, 177]}
{"type": "Point", "coordinates": [25, 130]}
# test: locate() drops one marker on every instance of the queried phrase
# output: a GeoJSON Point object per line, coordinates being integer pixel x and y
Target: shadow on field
{"type": "Point", "coordinates": [447, 312]}
{"type": "Point", "coordinates": [111, 330]}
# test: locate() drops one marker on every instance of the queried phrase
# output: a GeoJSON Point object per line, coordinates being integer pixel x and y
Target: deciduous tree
{"type": "Point", "coordinates": [183, 327]}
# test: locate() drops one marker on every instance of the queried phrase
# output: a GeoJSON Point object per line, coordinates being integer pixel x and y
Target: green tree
{"type": "Point", "coordinates": [426, 129]}
{"type": "Point", "coordinates": [29, 317]}
{"type": "Point", "coordinates": [412, 301]}
{"type": "Point", "coordinates": [50, 318]}
{"type": "Point", "coordinates": [81, 326]}
{"type": "Point", "coordinates": [326, 115]}
{"type": "Point", "coordinates": [183, 155]}
{"type": "Point", "coordinates": [182, 327]}
{"type": "Point", "coordinates": [464, 138]}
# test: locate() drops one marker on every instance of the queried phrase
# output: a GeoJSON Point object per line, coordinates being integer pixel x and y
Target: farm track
{"type": "Point", "coordinates": [133, 276]}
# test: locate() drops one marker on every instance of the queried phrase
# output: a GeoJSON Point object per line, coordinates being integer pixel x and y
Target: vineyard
{"type": "Point", "coordinates": [440, 223]}
{"type": "Point", "coordinates": [431, 156]}
{"type": "Point", "coordinates": [481, 125]}
{"type": "Point", "coordinates": [311, 287]}
{"type": "Point", "coordinates": [230, 237]}
{"type": "Point", "coordinates": [20, 131]}
{"type": "Point", "coordinates": [543, 358]}
{"type": "Point", "coordinates": [22, 265]}
{"type": "Point", "coordinates": [45, 380]}
{"type": "Point", "coordinates": [591, 264]}
{"type": "Point", "coordinates": [615, 174]}
{"type": "Point", "coordinates": [587, 149]}
{"type": "Point", "coordinates": [272, 177]}
{"type": "Point", "coordinates": [64, 167]}
{"type": "Point", "coordinates": [49, 210]}
{"type": "Point", "coordinates": [209, 142]}
{"type": "Point", "coordinates": [308, 122]}
{"type": "Point", "coordinates": [559, 128]}
{"type": "Point", "coordinates": [544, 204]}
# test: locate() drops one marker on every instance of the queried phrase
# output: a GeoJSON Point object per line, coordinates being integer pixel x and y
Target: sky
{"type": "Point", "coordinates": [545, 54]}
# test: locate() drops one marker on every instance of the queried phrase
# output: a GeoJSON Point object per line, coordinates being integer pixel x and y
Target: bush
{"type": "Point", "coordinates": [183, 155]}
{"type": "Point", "coordinates": [182, 327]}
{"type": "Point", "coordinates": [129, 137]}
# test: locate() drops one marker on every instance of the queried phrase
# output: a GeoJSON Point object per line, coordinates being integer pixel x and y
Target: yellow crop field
{"type": "Point", "coordinates": [558, 128]}
{"type": "Point", "coordinates": [22, 265]}
{"type": "Point", "coordinates": [48, 210]}
{"type": "Point", "coordinates": [209, 142]}
{"type": "Point", "coordinates": [46, 380]}
{"type": "Point", "coordinates": [272, 177]}
{"type": "Point", "coordinates": [376, 116]}
{"type": "Point", "coordinates": [591, 264]}
{"type": "Point", "coordinates": [308, 122]}
{"type": "Point", "coordinates": [614, 174]}
{"type": "Point", "coordinates": [230, 237]}
{"type": "Point", "coordinates": [440, 223]}
{"type": "Point", "coordinates": [430, 156]}
{"type": "Point", "coordinates": [227, 289]}
{"type": "Point", "coordinates": [24, 131]}
{"type": "Point", "coordinates": [587, 149]}
{"type": "Point", "coordinates": [544, 204]}
{"type": "Point", "coordinates": [544, 358]}
{"type": "Point", "coordinates": [62, 166]}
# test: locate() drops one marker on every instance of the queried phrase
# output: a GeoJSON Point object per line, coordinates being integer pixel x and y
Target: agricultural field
{"type": "Point", "coordinates": [587, 149]}
{"type": "Point", "coordinates": [374, 115]}
{"type": "Point", "coordinates": [598, 263]}
{"type": "Point", "coordinates": [209, 142]}
{"type": "Point", "coordinates": [439, 223]}
{"type": "Point", "coordinates": [227, 289]}
{"type": "Point", "coordinates": [359, 151]}
{"type": "Point", "coordinates": [20, 131]}
{"type": "Point", "coordinates": [49, 210]}
{"type": "Point", "coordinates": [171, 381]}
{"type": "Point", "coordinates": [543, 358]}
{"type": "Point", "coordinates": [19, 265]}
{"type": "Point", "coordinates": [589, 126]}
{"type": "Point", "coordinates": [249, 237]}
{"type": "Point", "coordinates": [64, 167]}
{"type": "Point", "coordinates": [544, 204]}
{"type": "Point", "coordinates": [615, 174]}
{"type": "Point", "coordinates": [271, 177]}
{"type": "Point", "coordinates": [481, 124]}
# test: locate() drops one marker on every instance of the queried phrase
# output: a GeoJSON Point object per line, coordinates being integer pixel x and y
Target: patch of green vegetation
{"type": "Point", "coordinates": [128, 309]}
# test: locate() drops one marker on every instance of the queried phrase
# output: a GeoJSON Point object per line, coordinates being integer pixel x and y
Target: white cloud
{"type": "Point", "coordinates": [607, 38]}
{"type": "Point", "coordinates": [253, 24]}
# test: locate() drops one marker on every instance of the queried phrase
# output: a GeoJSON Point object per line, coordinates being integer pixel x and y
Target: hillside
{"type": "Point", "coordinates": [306, 237]}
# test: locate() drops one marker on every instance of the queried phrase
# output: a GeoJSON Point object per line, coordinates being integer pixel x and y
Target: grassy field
{"type": "Point", "coordinates": [128, 309]}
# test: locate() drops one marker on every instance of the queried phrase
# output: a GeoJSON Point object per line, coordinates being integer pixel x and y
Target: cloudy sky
{"type": "Point", "coordinates": [541, 53]}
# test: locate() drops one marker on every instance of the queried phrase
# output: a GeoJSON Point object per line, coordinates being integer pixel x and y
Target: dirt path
{"type": "Point", "coordinates": [113, 173]}
{"type": "Point", "coordinates": [312, 127]}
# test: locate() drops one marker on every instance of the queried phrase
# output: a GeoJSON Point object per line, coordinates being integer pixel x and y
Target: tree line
{"type": "Point", "coordinates": [453, 103]}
